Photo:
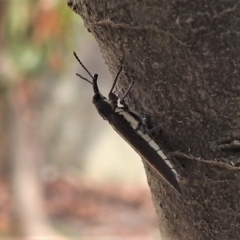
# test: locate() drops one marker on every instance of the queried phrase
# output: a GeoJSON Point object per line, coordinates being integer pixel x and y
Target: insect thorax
{"type": "Point", "coordinates": [104, 108]}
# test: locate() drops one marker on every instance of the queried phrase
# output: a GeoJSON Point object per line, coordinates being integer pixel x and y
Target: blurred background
{"type": "Point", "coordinates": [64, 172]}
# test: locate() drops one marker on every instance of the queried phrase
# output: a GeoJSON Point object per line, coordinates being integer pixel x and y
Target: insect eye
{"type": "Point", "coordinates": [113, 97]}
{"type": "Point", "coordinates": [97, 97]}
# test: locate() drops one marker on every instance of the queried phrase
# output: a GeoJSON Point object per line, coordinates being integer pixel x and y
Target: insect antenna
{"type": "Point", "coordinates": [83, 78]}
{"type": "Point", "coordinates": [76, 56]}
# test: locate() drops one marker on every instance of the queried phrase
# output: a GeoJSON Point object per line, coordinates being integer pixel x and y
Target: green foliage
{"type": "Point", "coordinates": [39, 37]}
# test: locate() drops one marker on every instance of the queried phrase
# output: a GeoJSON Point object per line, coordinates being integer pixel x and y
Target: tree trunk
{"type": "Point", "coordinates": [184, 58]}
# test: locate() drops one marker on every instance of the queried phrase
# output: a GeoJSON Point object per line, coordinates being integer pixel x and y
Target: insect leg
{"type": "Point", "coordinates": [145, 126]}
{"type": "Point", "coordinates": [126, 93]}
{"type": "Point", "coordinates": [112, 96]}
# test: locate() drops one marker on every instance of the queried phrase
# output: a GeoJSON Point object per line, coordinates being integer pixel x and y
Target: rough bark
{"type": "Point", "coordinates": [184, 59]}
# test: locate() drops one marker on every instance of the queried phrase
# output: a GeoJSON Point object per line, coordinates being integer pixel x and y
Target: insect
{"type": "Point", "coordinates": [131, 128]}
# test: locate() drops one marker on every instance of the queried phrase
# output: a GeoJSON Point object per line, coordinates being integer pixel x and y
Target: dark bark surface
{"type": "Point", "coordinates": [184, 57]}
